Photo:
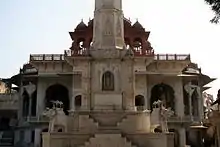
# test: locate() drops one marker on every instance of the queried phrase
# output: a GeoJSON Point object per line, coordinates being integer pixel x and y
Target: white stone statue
{"type": "Point", "coordinates": [165, 114]}
{"type": "Point", "coordinates": [160, 116]}
{"type": "Point", "coordinates": [190, 88]}
{"type": "Point", "coordinates": [57, 118]}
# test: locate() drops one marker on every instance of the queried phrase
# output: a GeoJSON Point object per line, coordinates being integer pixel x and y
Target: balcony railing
{"type": "Point", "coordinates": [46, 57]}
{"type": "Point", "coordinates": [70, 53]}
{"type": "Point", "coordinates": [40, 119]}
{"type": "Point", "coordinates": [170, 57]}
{"type": "Point", "coordinates": [9, 101]}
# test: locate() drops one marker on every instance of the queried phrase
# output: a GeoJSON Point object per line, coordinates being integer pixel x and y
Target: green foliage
{"type": "Point", "coordinates": [215, 6]}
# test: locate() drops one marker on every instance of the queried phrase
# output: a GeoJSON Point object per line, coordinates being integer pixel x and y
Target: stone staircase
{"type": "Point", "coordinates": [90, 123]}
{"type": "Point", "coordinates": [6, 139]}
{"type": "Point", "coordinates": [108, 140]}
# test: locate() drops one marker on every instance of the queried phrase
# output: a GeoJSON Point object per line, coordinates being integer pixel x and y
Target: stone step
{"type": "Point", "coordinates": [108, 140]}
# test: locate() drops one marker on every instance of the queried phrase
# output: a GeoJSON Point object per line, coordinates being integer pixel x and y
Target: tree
{"type": "Point", "coordinates": [215, 6]}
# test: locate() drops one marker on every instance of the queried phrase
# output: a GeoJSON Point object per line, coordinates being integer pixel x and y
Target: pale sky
{"type": "Point", "coordinates": [42, 26]}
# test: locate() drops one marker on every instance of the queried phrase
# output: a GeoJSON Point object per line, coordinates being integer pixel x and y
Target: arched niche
{"type": "Point", "coordinates": [78, 101]}
{"type": "Point", "coordinates": [138, 44]}
{"type": "Point", "coordinates": [26, 103]}
{"type": "Point", "coordinates": [165, 93]}
{"type": "Point", "coordinates": [139, 100]}
{"type": "Point", "coordinates": [108, 82]}
{"type": "Point", "coordinates": [57, 92]}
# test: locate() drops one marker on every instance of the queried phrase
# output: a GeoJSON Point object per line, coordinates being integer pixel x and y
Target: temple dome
{"type": "Point", "coordinates": [81, 26]}
{"type": "Point", "coordinates": [137, 25]}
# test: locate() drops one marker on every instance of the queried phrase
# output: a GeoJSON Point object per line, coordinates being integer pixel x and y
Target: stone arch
{"type": "Point", "coordinates": [108, 83]}
{"type": "Point", "coordinates": [138, 44]}
{"type": "Point", "coordinates": [165, 93]}
{"type": "Point", "coordinates": [57, 92]}
{"type": "Point", "coordinates": [78, 101]}
{"type": "Point", "coordinates": [139, 100]}
{"type": "Point", "coordinates": [26, 103]}
{"type": "Point", "coordinates": [81, 44]}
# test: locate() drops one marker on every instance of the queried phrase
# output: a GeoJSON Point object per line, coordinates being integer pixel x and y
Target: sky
{"type": "Point", "coordinates": [42, 26]}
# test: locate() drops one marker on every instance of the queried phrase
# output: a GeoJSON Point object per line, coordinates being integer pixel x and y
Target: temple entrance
{"type": "Point", "coordinates": [60, 93]}
{"type": "Point", "coordinates": [165, 93]}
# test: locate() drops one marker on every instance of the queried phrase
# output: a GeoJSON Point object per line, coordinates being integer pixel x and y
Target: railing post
{"type": "Point", "coordinates": [175, 56]}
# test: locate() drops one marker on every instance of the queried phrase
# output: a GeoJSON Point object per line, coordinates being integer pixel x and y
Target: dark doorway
{"type": "Point", "coordinates": [165, 93]}
{"type": "Point", "coordinates": [60, 93]}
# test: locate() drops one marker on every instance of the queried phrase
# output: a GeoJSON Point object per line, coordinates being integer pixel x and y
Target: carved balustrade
{"type": "Point", "coordinates": [46, 57]}
{"type": "Point", "coordinates": [170, 57]}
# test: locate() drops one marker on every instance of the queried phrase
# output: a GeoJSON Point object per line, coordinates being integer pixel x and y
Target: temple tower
{"type": "Point", "coordinates": [108, 30]}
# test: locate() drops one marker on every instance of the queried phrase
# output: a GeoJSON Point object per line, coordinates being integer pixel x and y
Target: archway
{"type": "Point", "coordinates": [26, 101]}
{"type": "Point", "coordinates": [60, 93]}
{"type": "Point", "coordinates": [165, 93]}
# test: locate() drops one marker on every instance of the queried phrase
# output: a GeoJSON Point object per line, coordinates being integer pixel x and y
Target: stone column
{"type": "Point", "coordinates": [200, 102]}
{"type": "Point", "coordinates": [37, 139]}
{"type": "Point", "coordinates": [40, 97]}
{"type": "Point", "coordinates": [73, 94]}
{"type": "Point", "coordinates": [30, 89]}
{"type": "Point", "coordinates": [27, 136]}
{"type": "Point", "coordinates": [30, 106]}
{"type": "Point", "coordinates": [179, 107]}
{"type": "Point", "coordinates": [182, 137]}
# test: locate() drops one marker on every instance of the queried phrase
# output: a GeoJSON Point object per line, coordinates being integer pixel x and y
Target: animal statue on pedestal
{"type": "Point", "coordinates": [159, 116]}
{"type": "Point", "coordinates": [57, 118]}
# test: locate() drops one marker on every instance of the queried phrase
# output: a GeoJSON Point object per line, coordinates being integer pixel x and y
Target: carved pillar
{"type": "Point", "coordinates": [179, 107]}
{"type": "Point", "coordinates": [30, 89]}
{"type": "Point", "coordinates": [40, 97]}
{"type": "Point", "coordinates": [73, 93]}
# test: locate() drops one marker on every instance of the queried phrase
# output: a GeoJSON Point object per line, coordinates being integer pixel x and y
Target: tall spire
{"type": "Point", "coordinates": [108, 28]}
